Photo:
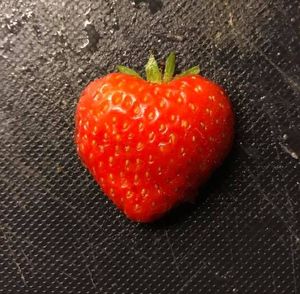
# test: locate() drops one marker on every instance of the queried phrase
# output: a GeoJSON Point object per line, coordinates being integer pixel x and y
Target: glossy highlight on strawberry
{"type": "Point", "coordinates": [151, 144]}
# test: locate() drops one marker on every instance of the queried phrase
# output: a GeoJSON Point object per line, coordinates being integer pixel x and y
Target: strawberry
{"type": "Point", "coordinates": [151, 144]}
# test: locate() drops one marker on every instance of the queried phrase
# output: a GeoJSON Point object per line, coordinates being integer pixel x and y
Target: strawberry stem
{"type": "Point", "coordinates": [154, 74]}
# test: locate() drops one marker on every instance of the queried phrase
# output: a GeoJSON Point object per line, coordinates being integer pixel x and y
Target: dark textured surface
{"type": "Point", "coordinates": [58, 234]}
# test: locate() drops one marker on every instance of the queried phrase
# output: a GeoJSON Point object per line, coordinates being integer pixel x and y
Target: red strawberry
{"type": "Point", "coordinates": [150, 144]}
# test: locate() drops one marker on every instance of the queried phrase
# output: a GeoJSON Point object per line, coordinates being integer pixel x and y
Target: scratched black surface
{"type": "Point", "coordinates": [59, 234]}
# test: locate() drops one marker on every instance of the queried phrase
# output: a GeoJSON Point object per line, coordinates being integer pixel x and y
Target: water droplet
{"type": "Point", "coordinates": [85, 44]}
{"type": "Point", "coordinates": [154, 5]}
{"type": "Point", "coordinates": [115, 24]}
{"type": "Point", "coordinates": [3, 56]}
{"type": "Point", "coordinates": [291, 144]}
{"type": "Point", "coordinates": [90, 42]}
{"type": "Point", "coordinates": [12, 25]}
{"type": "Point", "coordinates": [88, 11]}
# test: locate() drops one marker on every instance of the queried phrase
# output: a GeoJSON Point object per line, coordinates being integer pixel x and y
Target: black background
{"type": "Point", "coordinates": [59, 234]}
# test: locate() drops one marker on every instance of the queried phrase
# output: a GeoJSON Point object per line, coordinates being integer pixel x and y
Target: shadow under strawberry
{"type": "Point", "coordinates": [183, 211]}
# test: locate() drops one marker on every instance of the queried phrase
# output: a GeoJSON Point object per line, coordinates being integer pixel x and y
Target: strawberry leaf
{"type": "Point", "coordinates": [153, 72]}
{"type": "Point", "coordinates": [191, 71]}
{"type": "Point", "coordinates": [128, 71]}
{"type": "Point", "coordinates": [170, 67]}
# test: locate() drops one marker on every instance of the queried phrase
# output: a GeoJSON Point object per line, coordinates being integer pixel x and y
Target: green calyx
{"type": "Point", "coordinates": [154, 73]}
